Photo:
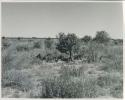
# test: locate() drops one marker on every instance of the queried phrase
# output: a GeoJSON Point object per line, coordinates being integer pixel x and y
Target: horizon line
{"type": "Point", "coordinates": [41, 37]}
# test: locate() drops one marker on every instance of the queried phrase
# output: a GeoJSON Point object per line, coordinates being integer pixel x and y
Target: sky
{"type": "Point", "coordinates": [47, 19]}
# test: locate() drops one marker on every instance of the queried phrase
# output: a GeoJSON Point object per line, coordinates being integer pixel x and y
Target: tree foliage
{"type": "Point", "coordinates": [102, 37]}
{"type": "Point", "coordinates": [66, 43]}
{"type": "Point", "coordinates": [86, 38]}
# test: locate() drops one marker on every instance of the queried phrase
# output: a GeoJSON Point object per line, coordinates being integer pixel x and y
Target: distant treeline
{"type": "Point", "coordinates": [25, 38]}
{"type": "Point", "coordinates": [116, 41]}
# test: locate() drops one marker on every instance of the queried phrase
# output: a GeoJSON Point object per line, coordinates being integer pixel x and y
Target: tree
{"type": "Point", "coordinates": [102, 37]}
{"type": "Point", "coordinates": [66, 43]}
{"type": "Point", "coordinates": [86, 38]}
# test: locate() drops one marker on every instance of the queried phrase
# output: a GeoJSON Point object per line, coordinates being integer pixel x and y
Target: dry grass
{"type": "Point", "coordinates": [25, 76]}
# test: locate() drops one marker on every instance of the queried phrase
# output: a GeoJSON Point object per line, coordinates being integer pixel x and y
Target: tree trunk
{"type": "Point", "coordinates": [70, 55]}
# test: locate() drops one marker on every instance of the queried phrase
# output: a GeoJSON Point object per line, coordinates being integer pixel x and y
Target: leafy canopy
{"type": "Point", "coordinates": [66, 42]}
{"type": "Point", "coordinates": [102, 37]}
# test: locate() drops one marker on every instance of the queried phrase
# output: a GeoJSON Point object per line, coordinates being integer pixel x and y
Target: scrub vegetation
{"type": "Point", "coordinates": [62, 67]}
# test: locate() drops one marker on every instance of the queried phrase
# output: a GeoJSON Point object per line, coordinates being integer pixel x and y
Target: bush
{"type": "Point", "coordinates": [7, 58]}
{"type": "Point", "coordinates": [90, 88]}
{"type": "Point", "coordinates": [115, 62]}
{"type": "Point", "coordinates": [86, 39]}
{"type": "Point", "coordinates": [117, 91]}
{"type": "Point", "coordinates": [89, 85]}
{"type": "Point", "coordinates": [37, 44]}
{"type": "Point", "coordinates": [6, 44]}
{"type": "Point", "coordinates": [63, 86]}
{"type": "Point", "coordinates": [16, 79]}
{"type": "Point", "coordinates": [48, 43]}
{"type": "Point", "coordinates": [102, 37]}
{"type": "Point", "coordinates": [58, 87]}
{"type": "Point", "coordinates": [108, 80]}
{"type": "Point", "coordinates": [22, 47]}
{"type": "Point", "coordinates": [91, 51]}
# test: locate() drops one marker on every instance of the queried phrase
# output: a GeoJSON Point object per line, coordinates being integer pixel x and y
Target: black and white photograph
{"type": "Point", "coordinates": [62, 49]}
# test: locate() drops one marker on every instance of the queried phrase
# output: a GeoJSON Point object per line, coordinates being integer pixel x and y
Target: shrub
{"type": "Point", "coordinates": [36, 91]}
{"type": "Point", "coordinates": [90, 88]}
{"type": "Point", "coordinates": [22, 47]}
{"type": "Point", "coordinates": [58, 87]}
{"type": "Point", "coordinates": [115, 62]}
{"type": "Point", "coordinates": [86, 39]}
{"type": "Point", "coordinates": [3, 37]}
{"type": "Point", "coordinates": [48, 43]}
{"type": "Point", "coordinates": [37, 44]}
{"type": "Point", "coordinates": [104, 81]}
{"type": "Point", "coordinates": [16, 79]}
{"type": "Point", "coordinates": [63, 86]}
{"type": "Point", "coordinates": [102, 37]}
{"type": "Point", "coordinates": [108, 80]}
{"type": "Point", "coordinates": [91, 51]}
{"type": "Point", "coordinates": [6, 44]}
{"type": "Point", "coordinates": [19, 38]}
{"type": "Point", "coordinates": [7, 58]}
{"type": "Point", "coordinates": [117, 91]}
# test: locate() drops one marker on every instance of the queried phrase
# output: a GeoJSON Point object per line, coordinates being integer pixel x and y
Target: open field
{"type": "Point", "coordinates": [31, 70]}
